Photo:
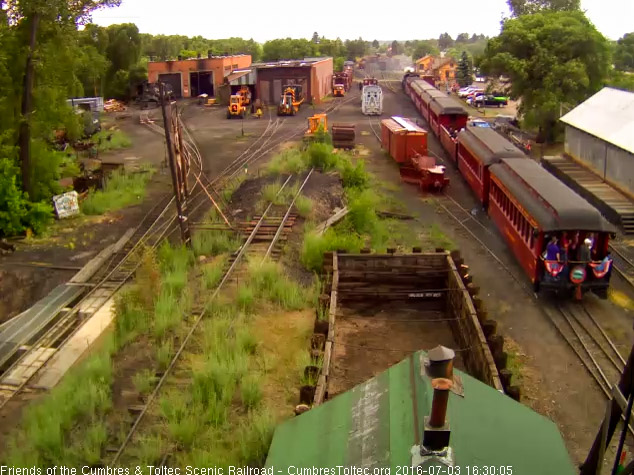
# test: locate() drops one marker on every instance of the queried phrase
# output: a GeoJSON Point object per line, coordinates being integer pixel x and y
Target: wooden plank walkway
{"type": "Point", "coordinates": [615, 205]}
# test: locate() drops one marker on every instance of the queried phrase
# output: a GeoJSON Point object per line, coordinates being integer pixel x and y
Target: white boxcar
{"type": "Point", "coordinates": [372, 100]}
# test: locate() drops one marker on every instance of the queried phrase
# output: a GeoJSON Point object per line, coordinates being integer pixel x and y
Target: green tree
{"type": "Point", "coordinates": [624, 53]}
{"type": "Point", "coordinates": [28, 18]}
{"type": "Point", "coordinates": [464, 74]}
{"type": "Point", "coordinates": [355, 48]}
{"type": "Point", "coordinates": [445, 41]}
{"type": "Point", "coordinates": [424, 47]}
{"type": "Point", "coordinates": [551, 58]}
{"type": "Point", "coordinates": [462, 38]}
{"type": "Point", "coordinates": [396, 48]}
{"type": "Point", "coordinates": [375, 44]}
{"type": "Point", "coordinates": [621, 80]}
{"type": "Point", "coordinates": [527, 7]}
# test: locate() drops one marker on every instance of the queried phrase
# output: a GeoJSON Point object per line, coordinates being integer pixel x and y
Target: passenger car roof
{"type": "Point", "coordinates": [550, 202]}
{"type": "Point", "coordinates": [447, 105]}
{"type": "Point", "coordinates": [488, 145]}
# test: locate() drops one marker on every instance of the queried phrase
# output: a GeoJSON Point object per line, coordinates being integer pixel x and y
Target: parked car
{"type": "Point", "coordinates": [478, 123]}
{"type": "Point", "coordinates": [465, 91]}
{"type": "Point", "coordinates": [490, 100]}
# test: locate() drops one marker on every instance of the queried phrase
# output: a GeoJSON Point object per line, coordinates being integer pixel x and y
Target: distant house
{"type": "Point", "coordinates": [443, 70]}
{"type": "Point", "coordinates": [599, 134]}
{"type": "Point", "coordinates": [424, 63]}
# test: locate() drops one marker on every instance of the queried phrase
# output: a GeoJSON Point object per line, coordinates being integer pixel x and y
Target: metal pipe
{"type": "Point", "coordinates": [628, 413]}
{"type": "Point", "coordinates": [439, 403]}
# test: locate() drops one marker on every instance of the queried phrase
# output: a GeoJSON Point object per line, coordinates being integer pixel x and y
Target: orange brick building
{"type": "Point", "coordinates": [192, 77]}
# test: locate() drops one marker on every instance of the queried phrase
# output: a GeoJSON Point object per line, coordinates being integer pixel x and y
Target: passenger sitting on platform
{"type": "Point", "coordinates": [552, 250]}
{"type": "Point", "coordinates": [585, 251]}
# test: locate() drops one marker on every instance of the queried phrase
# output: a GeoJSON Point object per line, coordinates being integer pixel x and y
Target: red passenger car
{"type": "Point", "coordinates": [478, 149]}
{"type": "Point", "coordinates": [529, 206]}
{"type": "Point", "coordinates": [448, 113]}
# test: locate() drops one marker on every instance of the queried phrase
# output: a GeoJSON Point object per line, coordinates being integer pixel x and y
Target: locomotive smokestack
{"type": "Point", "coordinates": [439, 403]}
{"type": "Point", "coordinates": [436, 433]}
{"type": "Point", "coordinates": [441, 362]}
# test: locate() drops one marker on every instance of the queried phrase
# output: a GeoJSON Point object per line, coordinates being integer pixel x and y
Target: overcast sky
{"type": "Point", "coordinates": [267, 19]}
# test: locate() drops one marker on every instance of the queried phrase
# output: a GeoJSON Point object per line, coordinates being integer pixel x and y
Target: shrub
{"type": "Point", "coordinates": [361, 211]}
{"type": "Point", "coordinates": [111, 140]}
{"type": "Point", "coordinates": [353, 175]}
{"type": "Point", "coordinates": [321, 156]}
{"type": "Point", "coordinates": [16, 212]}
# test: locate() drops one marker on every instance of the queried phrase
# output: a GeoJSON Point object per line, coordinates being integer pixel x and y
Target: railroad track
{"type": "Point", "coordinates": [261, 228]}
{"type": "Point", "coordinates": [156, 226]}
{"type": "Point", "coordinates": [622, 264]}
{"type": "Point", "coordinates": [577, 326]}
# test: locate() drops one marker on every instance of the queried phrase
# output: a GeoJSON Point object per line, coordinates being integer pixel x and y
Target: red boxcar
{"type": "Point", "coordinates": [403, 139]}
{"type": "Point", "coordinates": [529, 205]}
{"type": "Point", "coordinates": [478, 149]}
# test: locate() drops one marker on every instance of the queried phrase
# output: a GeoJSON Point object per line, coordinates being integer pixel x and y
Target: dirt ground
{"type": "Point", "coordinates": [373, 337]}
{"type": "Point", "coordinates": [555, 382]}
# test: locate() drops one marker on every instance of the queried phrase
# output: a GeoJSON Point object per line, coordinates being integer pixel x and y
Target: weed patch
{"type": "Point", "coordinates": [304, 206]}
{"type": "Point", "coordinates": [121, 190]}
{"type": "Point", "coordinates": [212, 243]}
{"type": "Point", "coordinates": [111, 140]}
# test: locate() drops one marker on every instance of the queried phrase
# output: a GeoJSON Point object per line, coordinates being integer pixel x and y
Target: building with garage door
{"type": "Point", "coordinates": [600, 133]}
{"type": "Point", "coordinates": [313, 74]}
{"type": "Point", "coordinates": [192, 77]}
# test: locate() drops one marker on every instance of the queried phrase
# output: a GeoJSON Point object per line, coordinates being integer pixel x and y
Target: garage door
{"type": "Point", "coordinates": [173, 79]}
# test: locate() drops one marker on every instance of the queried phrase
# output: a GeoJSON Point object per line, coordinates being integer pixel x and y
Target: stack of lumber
{"type": "Point", "coordinates": [113, 105]}
{"type": "Point", "coordinates": [343, 135]}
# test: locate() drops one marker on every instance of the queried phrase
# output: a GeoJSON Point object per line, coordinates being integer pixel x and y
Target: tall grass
{"type": "Point", "coordinates": [70, 412]}
{"type": "Point", "coordinates": [251, 391]}
{"type": "Point", "coordinates": [270, 282]}
{"type": "Point", "coordinates": [212, 243]}
{"type": "Point", "coordinates": [255, 434]}
{"type": "Point", "coordinates": [111, 140]}
{"type": "Point", "coordinates": [144, 381]}
{"type": "Point", "coordinates": [121, 190]}
{"type": "Point", "coordinates": [167, 314]}
{"type": "Point", "coordinates": [290, 161]}
{"type": "Point", "coordinates": [212, 275]}
{"type": "Point", "coordinates": [304, 206]}
{"type": "Point", "coordinates": [440, 239]}
{"type": "Point", "coordinates": [314, 246]}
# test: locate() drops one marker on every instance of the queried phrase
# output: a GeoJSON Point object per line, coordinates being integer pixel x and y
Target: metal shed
{"type": "Point", "coordinates": [599, 133]}
{"type": "Point", "coordinates": [380, 422]}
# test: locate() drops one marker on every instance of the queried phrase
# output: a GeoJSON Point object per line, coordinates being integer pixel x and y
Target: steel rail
{"type": "Point", "coordinates": [199, 318]}
{"type": "Point", "coordinates": [288, 212]}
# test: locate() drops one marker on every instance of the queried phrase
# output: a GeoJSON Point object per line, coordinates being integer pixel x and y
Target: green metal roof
{"type": "Point", "coordinates": [377, 423]}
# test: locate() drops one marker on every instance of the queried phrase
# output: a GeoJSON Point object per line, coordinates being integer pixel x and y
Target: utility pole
{"type": "Point", "coordinates": [176, 177]}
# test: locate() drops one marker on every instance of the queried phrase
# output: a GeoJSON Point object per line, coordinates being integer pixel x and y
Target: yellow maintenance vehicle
{"type": "Point", "coordinates": [238, 103]}
{"type": "Point", "coordinates": [314, 124]}
{"type": "Point", "coordinates": [291, 100]}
